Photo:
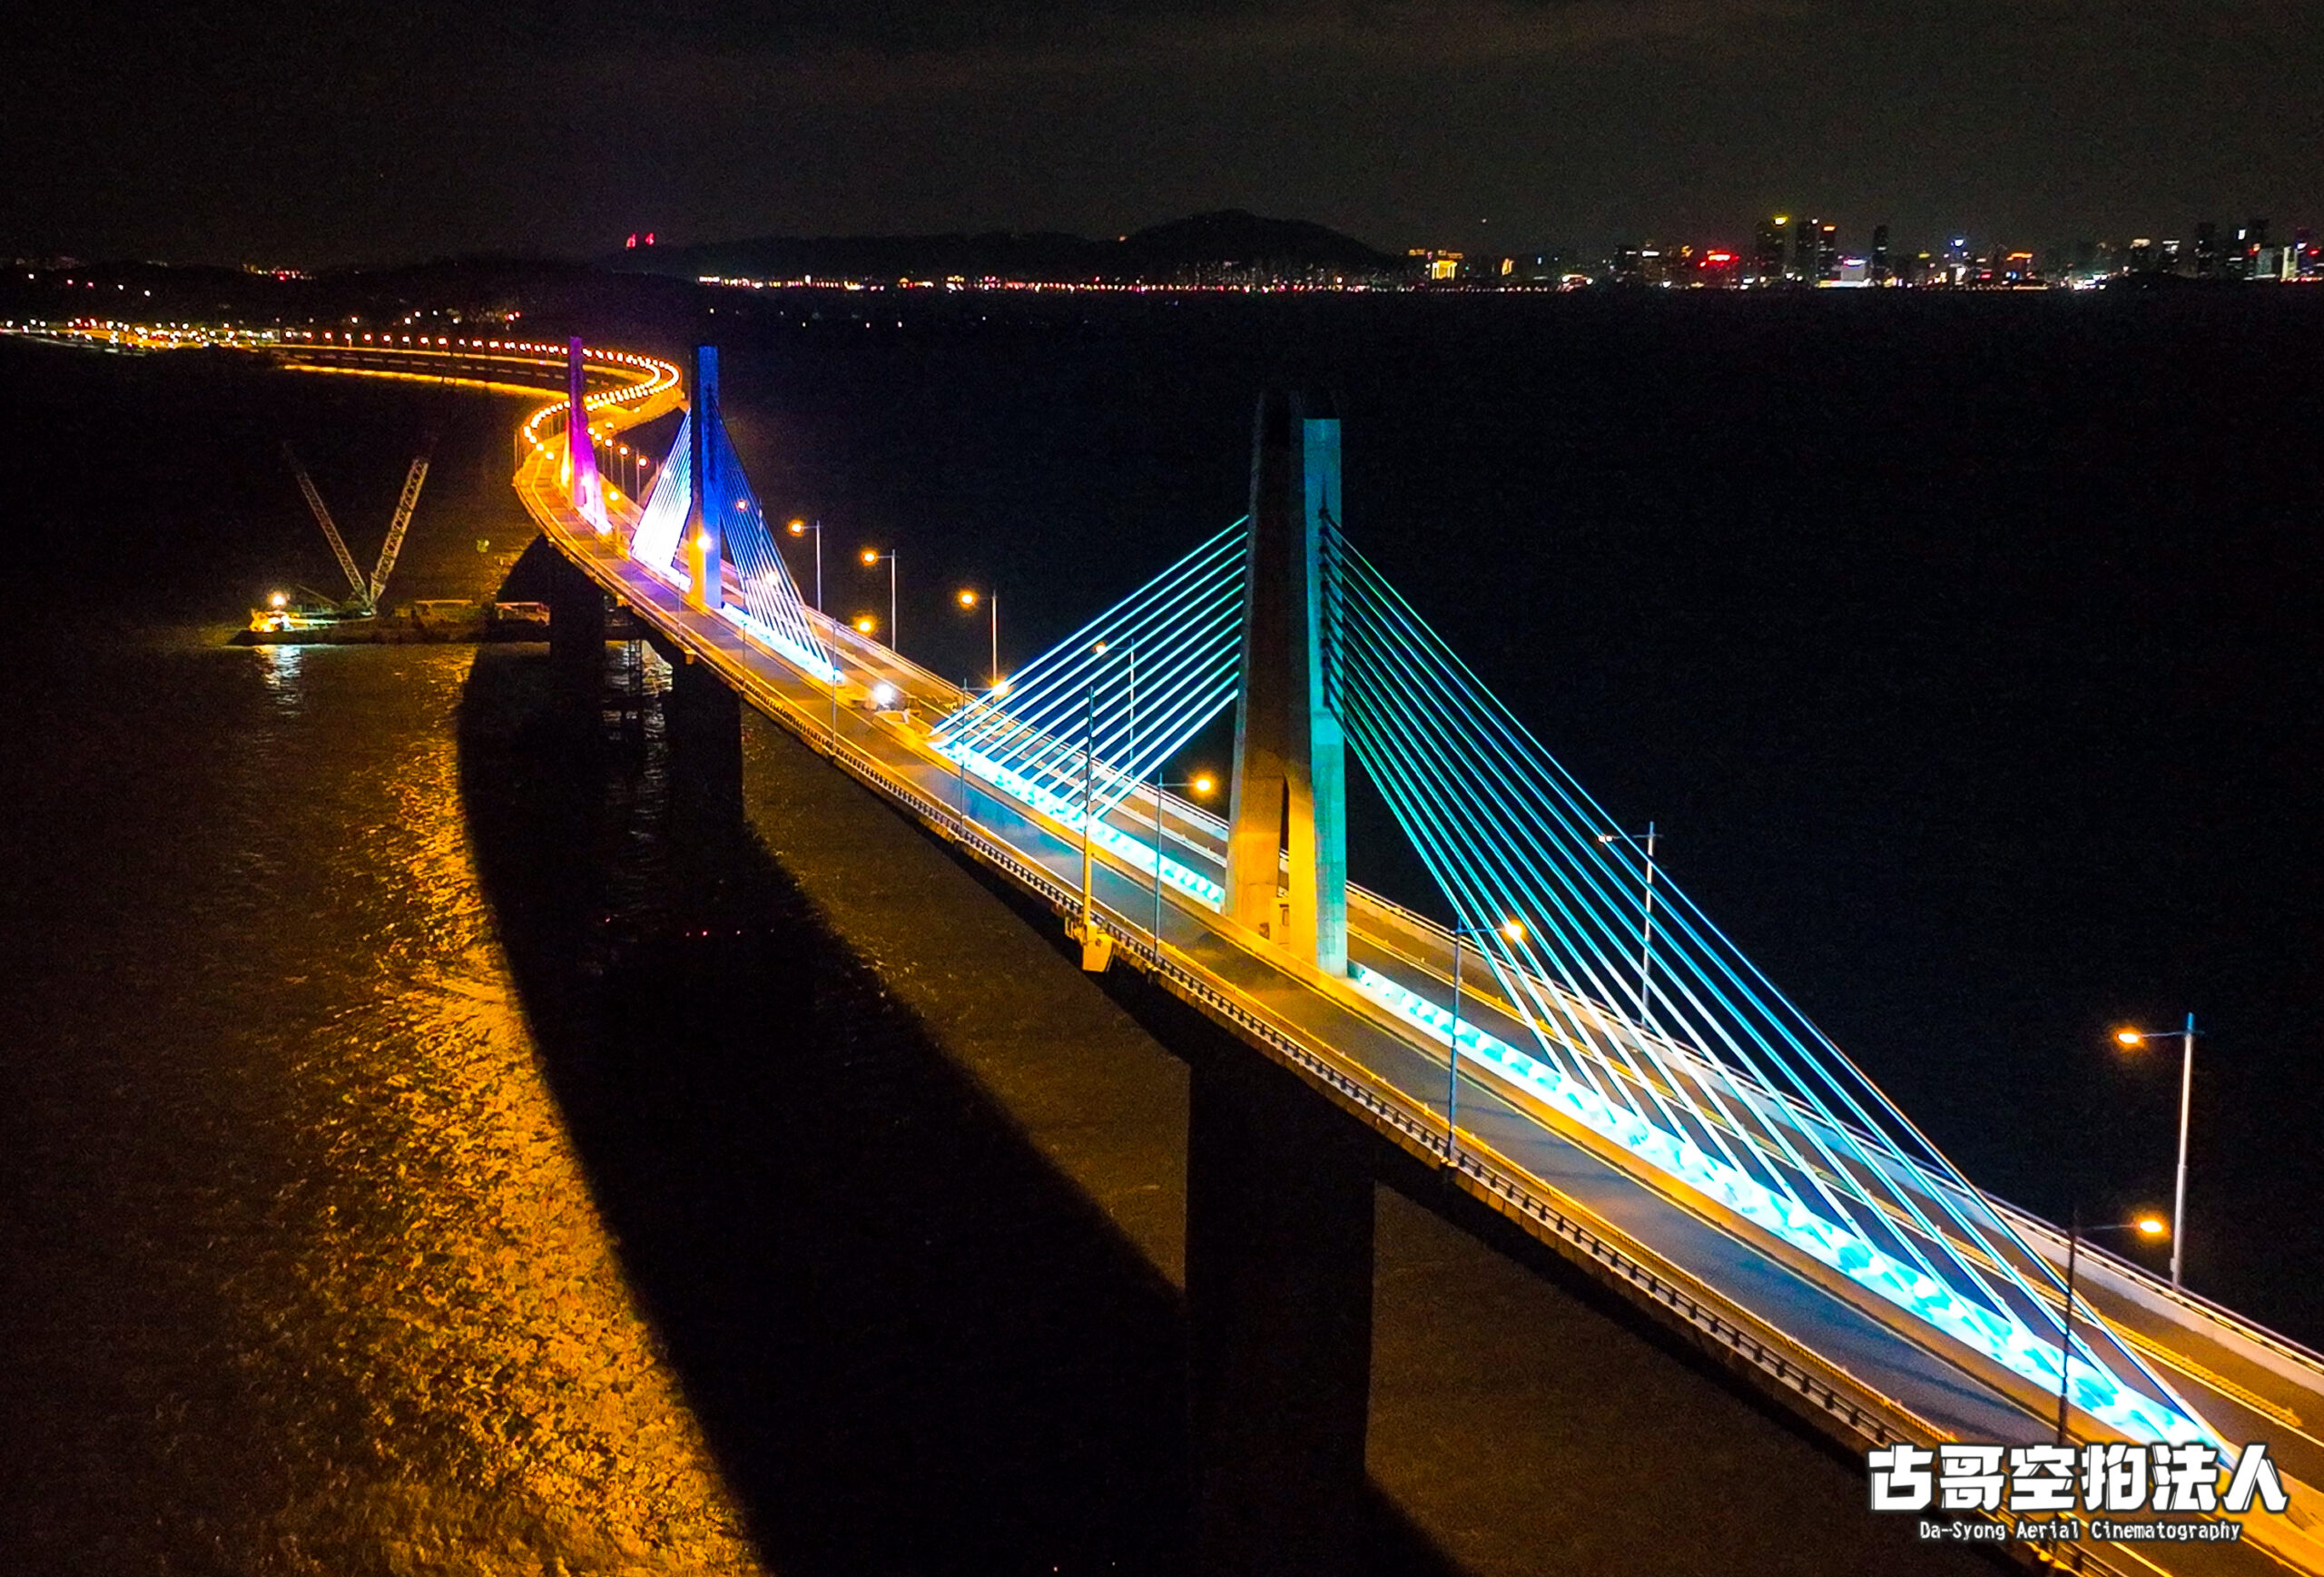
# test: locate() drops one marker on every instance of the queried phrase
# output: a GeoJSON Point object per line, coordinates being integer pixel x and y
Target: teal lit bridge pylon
{"type": "Point", "coordinates": [1696, 1066]}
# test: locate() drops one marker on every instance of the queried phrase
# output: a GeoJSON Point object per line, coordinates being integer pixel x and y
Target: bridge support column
{"type": "Point", "coordinates": [586, 490]}
{"type": "Point", "coordinates": [1279, 1216]}
{"type": "Point", "coordinates": [577, 629]}
{"type": "Point", "coordinates": [1290, 786]}
{"type": "Point", "coordinates": [703, 719]}
{"type": "Point", "coordinates": [705, 530]}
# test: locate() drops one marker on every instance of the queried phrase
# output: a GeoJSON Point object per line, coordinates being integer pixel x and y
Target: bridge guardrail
{"type": "Point", "coordinates": [1864, 1413]}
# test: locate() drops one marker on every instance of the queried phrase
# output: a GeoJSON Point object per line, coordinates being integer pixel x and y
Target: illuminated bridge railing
{"type": "Point", "coordinates": [1864, 1412]}
{"type": "Point", "coordinates": [1851, 1160]}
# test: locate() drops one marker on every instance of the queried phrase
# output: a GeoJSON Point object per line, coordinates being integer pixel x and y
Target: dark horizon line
{"type": "Point", "coordinates": [1596, 251]}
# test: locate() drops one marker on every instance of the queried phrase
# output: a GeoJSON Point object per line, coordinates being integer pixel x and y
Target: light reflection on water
{"type": "Point", "coordinates": [318, 1257]}
{"type": "Point", "coordinates": [280, 666]}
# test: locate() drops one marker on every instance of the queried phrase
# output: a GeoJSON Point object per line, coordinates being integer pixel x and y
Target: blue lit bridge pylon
{"type": "Point", "coordinates": [702, 526]}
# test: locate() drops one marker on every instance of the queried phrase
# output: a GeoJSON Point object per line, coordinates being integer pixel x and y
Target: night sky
{"type": "Point", "coordinates": [369, 131]}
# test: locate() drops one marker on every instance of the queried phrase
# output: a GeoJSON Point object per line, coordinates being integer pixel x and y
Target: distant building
{"type": "Point", "coordinates": [1543, 268]}
{"type": "Point", "coordinates": [2250, 241]}
{"type": "Point", "coordinates": [1433, 265]}
{"type": "Point", "coordinates": [1767, 249]}
{"type": "Point", "coordinates": [1882, 272]}
{"type": "Point", "coordinates": [1719, 269]}
{"type": "Point", "coordinates": [1814, 251]}
{"type": "Point", "coordinates": [1653, 263]}
{"type": "Point", "coordinates": [2207, 251]}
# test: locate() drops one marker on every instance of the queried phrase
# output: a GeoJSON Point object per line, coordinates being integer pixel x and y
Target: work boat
{"type": "Point", "coordinates": [309, 615]}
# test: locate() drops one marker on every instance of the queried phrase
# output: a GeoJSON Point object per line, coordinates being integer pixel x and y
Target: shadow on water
{"type": "Point", "coordinates": [912, 1344]}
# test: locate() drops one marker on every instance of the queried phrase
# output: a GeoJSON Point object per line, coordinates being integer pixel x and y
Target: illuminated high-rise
{"type": "Point", "coordinates": [1768, 252]}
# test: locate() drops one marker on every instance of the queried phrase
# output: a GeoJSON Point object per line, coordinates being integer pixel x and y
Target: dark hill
{"type": "Point", "coordinates": [1199, 247]}
{"type": "Point", "coordinates": [1232, 235]}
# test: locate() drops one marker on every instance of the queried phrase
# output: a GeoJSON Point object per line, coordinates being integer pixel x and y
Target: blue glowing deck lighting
{"type": "Point", "coordinates": [1732, 1090]}
{"type": "Point", "coordinates": [2003, 1338]}
{"type": "Point", "coordinates": [773, 612]}
{"type": "Point", "coordinates": [1702, 1070]}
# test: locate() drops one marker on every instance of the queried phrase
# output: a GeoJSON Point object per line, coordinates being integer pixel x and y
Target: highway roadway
{"type": "Point", "coordinates": [1843, 1356]}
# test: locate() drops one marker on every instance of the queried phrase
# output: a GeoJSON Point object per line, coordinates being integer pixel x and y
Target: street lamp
{"type": "Point", "coordinates": [800, 527]}
{"type": "Point", "coordinates": [966, 598]}
{"type": "Point", "coordinates": [1511, 931]}
{"type": "Point", "coordinates": [2146, 1226]}
{"type": "Point", "coordinates": [1095, 947]}
{"type": "Point", "coordinates": [2133, 1039]}
{"type": "Point", "coordinates": [873, 558]}
{"type": "Point", "coordinates": [1202, 783]}
{"type": "Point", "coordinates": [1645, 846]}
{"type": "Point", "coordinates": [865, 623]}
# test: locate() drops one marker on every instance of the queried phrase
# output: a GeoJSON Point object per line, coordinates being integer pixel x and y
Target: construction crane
{"type": "Point", "coordinates": [363, 596]}
{"type": "Point", "coordinates": [359, 592]}
{"type": "Point", "coordinates": [402, 521]}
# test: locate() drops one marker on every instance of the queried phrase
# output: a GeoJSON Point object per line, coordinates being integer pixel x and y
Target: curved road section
{"type": "Point", "coordinates": [1855, 1366]}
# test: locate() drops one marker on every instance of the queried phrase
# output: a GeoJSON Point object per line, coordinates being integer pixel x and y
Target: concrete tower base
{"type": "Point", "coordinates": [1279, 1218]}
{"type": "Point", "coordinates": [576, 630]}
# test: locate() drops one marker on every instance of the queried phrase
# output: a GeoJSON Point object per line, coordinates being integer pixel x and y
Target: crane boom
{"type": "Point", "coordinates": [330, 527]}
{"type": "Point", "coordinates": [401, 523]}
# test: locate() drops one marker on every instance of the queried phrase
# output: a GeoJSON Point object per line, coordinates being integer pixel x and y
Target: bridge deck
{"type": "Point", "coordinates": [1840, 1354]}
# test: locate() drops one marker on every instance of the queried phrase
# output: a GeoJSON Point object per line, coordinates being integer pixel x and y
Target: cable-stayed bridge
{"type": "Point", "coordinates": [1583, 1048]}
{"type": "Point", "coordinates": [1583, 1051]}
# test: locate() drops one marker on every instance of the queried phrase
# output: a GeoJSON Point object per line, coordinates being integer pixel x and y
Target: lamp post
{"type": "Point", "coordinates": [800, 527]}
{"type": "Point", "coordinates": [967, 597]}
{"type": "Point", "coordinates": [1512, 931]}
{"type": "Point", "coordinates": [1202, 782]}
{"type": "Point", "coordinates": [2133, 1039]}
{"type": "Point", "coordinates": [1088, 804]}
{"type": "Point", "coordinates": [1645, 845]}
{"type": "Point", "coordinates": [872, 557]}
{"type": "Point", "coordinates": [2146, 1225]}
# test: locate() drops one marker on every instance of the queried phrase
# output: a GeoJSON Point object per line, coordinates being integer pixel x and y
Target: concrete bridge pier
{"type": "Point", "coordinates": [577, 629]}
{"type": "Point", "coordinates": [1279, 1222]}
{"type": "Point", "coordinates": [701, 717]}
